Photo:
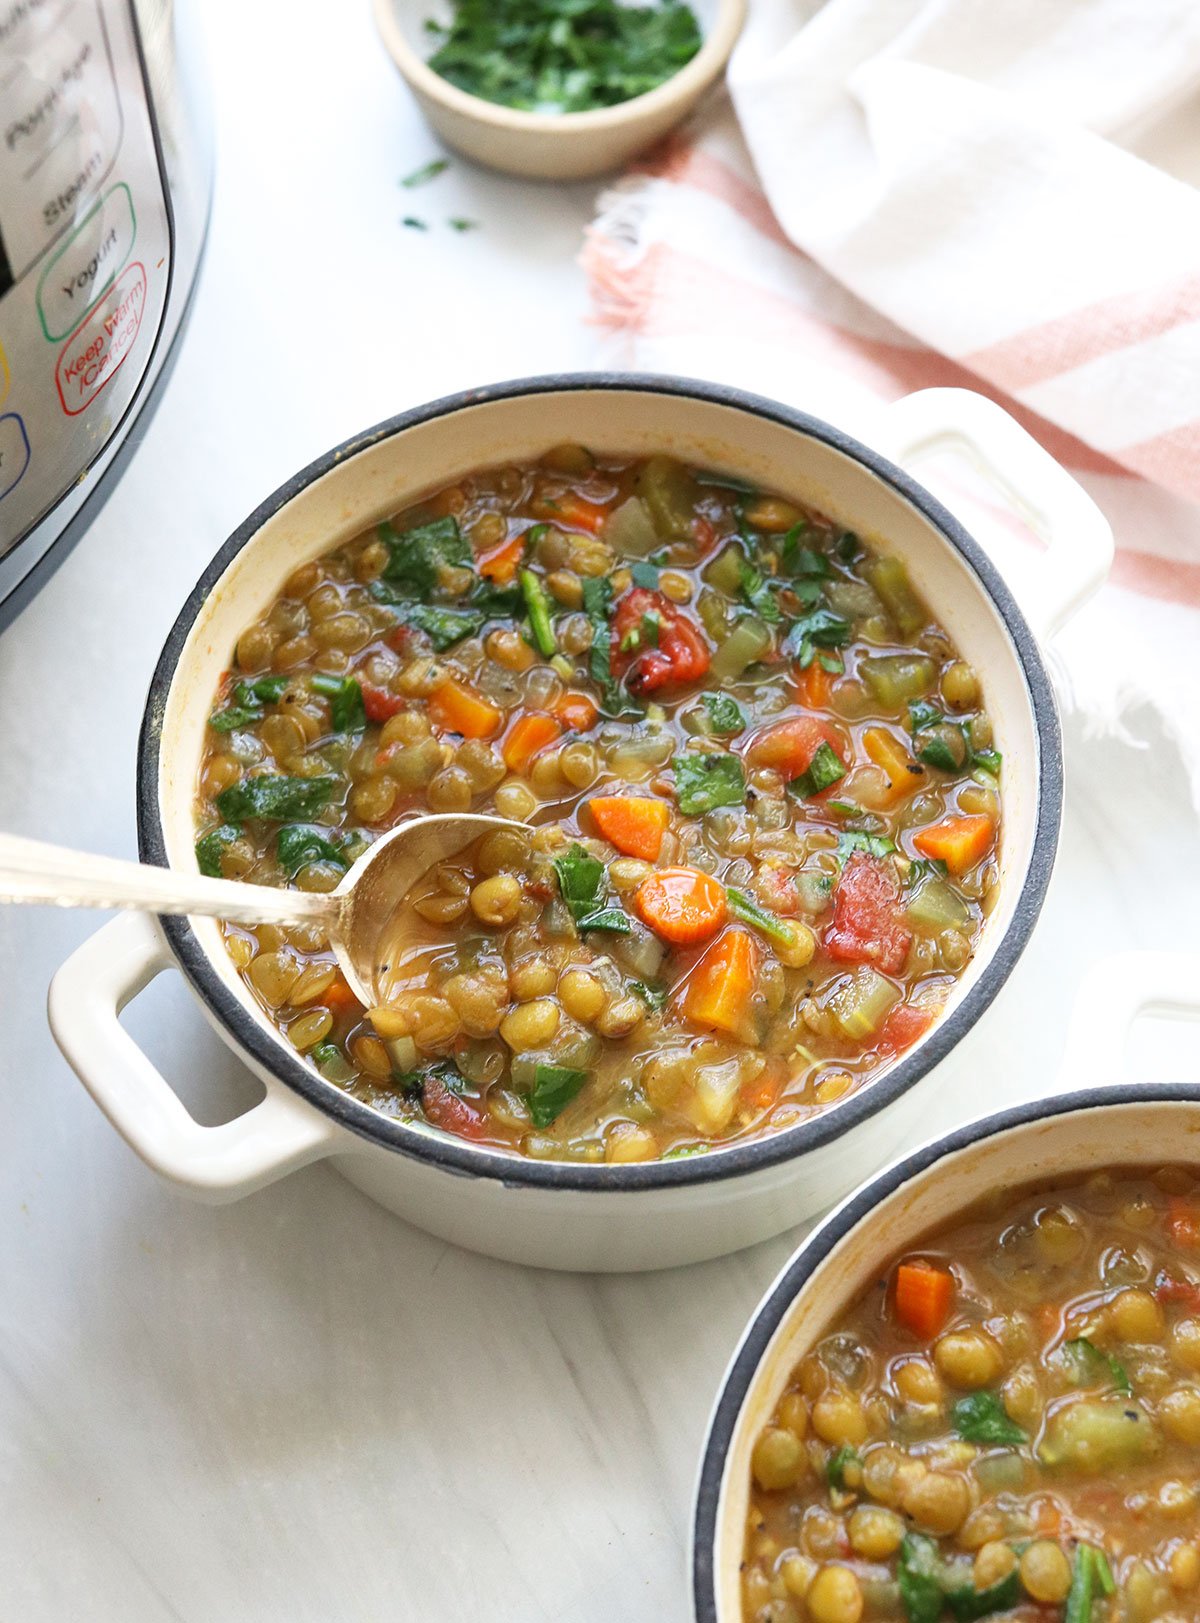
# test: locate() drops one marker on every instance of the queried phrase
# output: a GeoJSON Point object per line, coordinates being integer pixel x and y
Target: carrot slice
{"type": "Point", "coordinates": [814, 686]}
{"type": "Point", "coordinates": [577, 711]}
{"type": "Point", "coordinates": [457, 708]}
{"type": "Point", "coordinates": [959, 842]}
{"type": "Point", "coordinates": [894, 761]}
{"type": "Point", "coordinates": [1183, 1222]}
{"type": "Point", "coordinates": [339, 996]}
{"type": "Point", "coordinates": [572, 510]}
{"type": "Point", "coordinates": [528, 735]}
{"type": "Point", "coordinates": [682, 905]}
{"type": "Point", "coordinates": [502, 562]}
{"type": "Point", "coordinates": [923, 1298]}
{"type": "Point", "coordinates": [634, 825]}
{"type": "Point", "coordinates": [720, 987]}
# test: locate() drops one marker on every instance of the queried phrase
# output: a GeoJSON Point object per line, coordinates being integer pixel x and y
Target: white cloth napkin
{"type": "Point", "coordinates": [919, 192]}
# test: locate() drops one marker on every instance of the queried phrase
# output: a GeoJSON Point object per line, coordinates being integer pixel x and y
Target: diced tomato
{"type": "Point", "coordinates": [401, 638]}
{"type": "Point", "coordinates": [789, 746]}
{"type": "Point", "coordinates": [1184, 1291]}
{"type": "Point", "coordinates": [903, 1026]}
{"type": "Point", "coordinates": [705, 534]}
{"type": "Point", "coordinates": [680, 654]}
{"type": "Point", "coordinates": [775, 888]}
{"type": "Point", "coordinates": [379, 704]}
{"type": "Point", "coordinates": [445, 1109]}
{"type": "Point", "coordinates": [868, 921]}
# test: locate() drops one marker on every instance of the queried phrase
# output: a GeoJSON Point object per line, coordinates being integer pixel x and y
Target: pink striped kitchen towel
{"type": "Point", "coordinates": [904, 193]}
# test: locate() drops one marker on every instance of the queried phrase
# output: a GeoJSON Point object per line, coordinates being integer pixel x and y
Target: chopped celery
{"type": "Point", "coordinates": [748, 641]}
{"type": "Point", "coordinates": [863, 1003]}
{"type": "Point", "coordinates": [853, 599]}
{"type": "Point", "coordinates": [894, 679]}
{"type": "Point", "coordinates": [935, 906]}
{"type": "Point", "coordinates": [669, 493]}
{"type": "Point", "coordinates": [630, 531]}
{"type": "Point", "coordinates": [725, 571]}
{"type": "Point", "coordinates": [889, 577]}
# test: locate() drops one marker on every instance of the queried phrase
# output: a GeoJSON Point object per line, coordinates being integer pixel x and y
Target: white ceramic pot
{"type": "Point", "coordinates": [554, 1214]}
{"type": "Point", "coordinates": [1064, 1135]}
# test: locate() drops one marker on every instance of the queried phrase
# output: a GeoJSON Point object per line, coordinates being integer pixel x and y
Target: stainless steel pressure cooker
{"type": "Point", "coordinates": [105, 180]}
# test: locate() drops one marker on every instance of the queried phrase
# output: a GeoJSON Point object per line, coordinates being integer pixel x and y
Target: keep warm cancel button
{"type": "Point", "coordinates": [98, 345]}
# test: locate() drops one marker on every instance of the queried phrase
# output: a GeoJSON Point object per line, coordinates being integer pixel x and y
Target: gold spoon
{"type": "Point", "coordinates": [355, 916]}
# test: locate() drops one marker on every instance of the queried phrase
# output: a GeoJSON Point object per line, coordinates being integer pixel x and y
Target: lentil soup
{"type": "Point", "coordinates": [761, 783]}
{"type": "Point", "coordinates": [1004, 1425]}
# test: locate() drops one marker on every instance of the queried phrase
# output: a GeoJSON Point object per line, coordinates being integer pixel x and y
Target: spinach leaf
{"type": "Point", "coordinates": [582, 883]}
{"type": "Point", "coordinates": [848, 546]}
{"type": "Point", "coordinates": [968, 1603]}
{"type": "Point", "coordinates": [1086, 1352]}
{"type": "Point", "coordinates": [644, 573]}
{"type": "Point", "coordinates": [209, 847]}
{"type": "Point", "coordinates": [580, 878]}
{"type": "Point", "coordinates": [612, 919]}
{"type": "Point", "coordinates": [298, 844]}
{"type": "Point", "coordinates": [989, 760]}
{"type": "Point", "coordinates": [825, 768]}
{"type": "Point", "coordinates": [276, 798]}
{"type": "Point", "coordinates": [835, 1466]}
{"type": "Point", "coordinates": [747, 909]}
{"type": "Point", "coordinates": [725, 715]}
{"type": "Point", "coordinates": [922, 714]}
{"type": "Point", "coordinates": [597, 605]}
{"type": "Point", "coordinates": [248, 699]}
{"type": "Point", "coordinates": [554, 1086]}
{"type": "Point", "coordinates": [418, 555]}
{"type": "Point", "coordinates": [918, 1572]}
{"type": "Point", "coordinates": [980, 1418]}
{"type": "Point", "coordinates": [346, 711]}
{"type": "Point", "coordinates": [444, 627]}
{"type": "Point", "coordinates": [705, 781]}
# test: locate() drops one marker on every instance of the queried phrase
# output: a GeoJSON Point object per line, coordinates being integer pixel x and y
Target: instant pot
{"type": "Point", "coordinates": [105, 181]}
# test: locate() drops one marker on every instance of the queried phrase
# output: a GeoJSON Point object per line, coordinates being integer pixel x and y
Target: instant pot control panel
{"type": "Point", "coordinates": [85, 245]}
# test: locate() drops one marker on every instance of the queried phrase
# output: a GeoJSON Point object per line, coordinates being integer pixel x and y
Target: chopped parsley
{"type": "Point", "coordinates": [980, 1418]}
{"type": "Point", "coordinates": [725, 715]}
{"type": "Point", "coordinates": [544, 56]}
{"type": "Point", "coordinates": [427, 172]}
{"type": "Point", "coordinates": [1086, 1352]}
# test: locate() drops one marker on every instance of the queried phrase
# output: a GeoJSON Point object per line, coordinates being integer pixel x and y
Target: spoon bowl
{"type": "Point", "coordinates": [355, 916]}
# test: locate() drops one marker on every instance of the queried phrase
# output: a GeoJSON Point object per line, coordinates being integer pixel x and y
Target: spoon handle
{"type": "Point", "coordinates": [33, 872]}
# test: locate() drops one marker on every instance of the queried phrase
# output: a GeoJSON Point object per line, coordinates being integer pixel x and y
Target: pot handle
{"type": "Point", "coordinates": [1079, 541]}
{"type": "Point", "coordinates": [215, 1164]}
{"type": "Point", "coordinates": [1111, 996]}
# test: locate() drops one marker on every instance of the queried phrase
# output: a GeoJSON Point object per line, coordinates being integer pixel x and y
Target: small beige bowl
{"type": "Point", "coordinates": [555, 146]}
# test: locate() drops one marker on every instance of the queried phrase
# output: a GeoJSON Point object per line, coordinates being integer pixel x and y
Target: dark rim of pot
{"type": "Point", "coordinates": [799, 1269]}
{"type": "Point", "coordinates": [453, 1154]}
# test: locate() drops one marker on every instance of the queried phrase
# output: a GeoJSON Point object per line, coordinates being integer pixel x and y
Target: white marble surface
{"type": "Point", "coordinates": [297, 1409]}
